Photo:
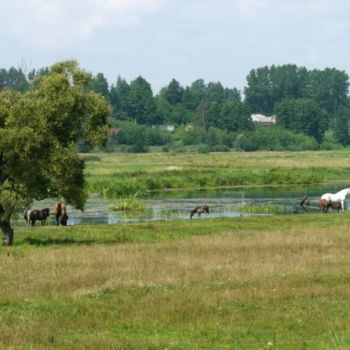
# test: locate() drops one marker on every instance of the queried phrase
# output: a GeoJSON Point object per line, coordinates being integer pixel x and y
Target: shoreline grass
{"type": "Point", "coordinates": [120, 175]}
{"type": "Point", "coordinates": [129, 204]}
{"type": "Point", "coordinates": [245, 283]}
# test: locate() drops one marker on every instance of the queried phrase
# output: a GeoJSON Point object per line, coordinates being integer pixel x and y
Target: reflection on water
{"type": "Point", "coordinates": [177, 205]}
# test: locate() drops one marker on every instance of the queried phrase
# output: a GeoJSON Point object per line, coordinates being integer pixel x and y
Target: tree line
{"type": "Point", "coordinates": [311, 109]}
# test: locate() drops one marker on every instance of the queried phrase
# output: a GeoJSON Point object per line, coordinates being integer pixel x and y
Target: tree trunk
{"type": "Point", "coordinates": [7, 232]}
{"type": "Point", "coordinates": [5, 227]}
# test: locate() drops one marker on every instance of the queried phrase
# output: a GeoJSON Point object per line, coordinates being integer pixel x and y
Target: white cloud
{"type": "Point", "coordinates": [261, 10]}
{"type": "Point", "coordinates": [57, 23]}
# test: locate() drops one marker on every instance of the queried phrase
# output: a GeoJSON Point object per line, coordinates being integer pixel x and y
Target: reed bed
{"type": "Point", "coordinates": [131, 203]}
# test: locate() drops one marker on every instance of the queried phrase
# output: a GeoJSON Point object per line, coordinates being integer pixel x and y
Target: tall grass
{"type": "Point", "coordinates": [264, 209]}
{"type": "Point", "coordinates": [126, 184]}
{"type": "Point", "coordinates": [131, 203]}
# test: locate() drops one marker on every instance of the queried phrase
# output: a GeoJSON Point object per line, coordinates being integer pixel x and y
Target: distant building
{"type": "Point", "coordinates": [164, 127]}
{"type": "Point", "coordinates": [263, 119]}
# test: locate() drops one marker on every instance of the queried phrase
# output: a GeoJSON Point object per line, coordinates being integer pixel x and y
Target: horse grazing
{"type": "Point", "coordinates": [338, 197]}
{"type": "Point", "coordinates": [61, 212]}
{"type": "Point", "coordinates": [38, 214]}
{"type": "Point", "coordinates": [305, 203]}
{"type": "Point", "coordinates": [199, 210]}
{"type": "Point", "coordinates": [325, 205]}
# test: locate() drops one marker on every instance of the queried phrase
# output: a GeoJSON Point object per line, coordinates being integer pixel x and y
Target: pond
{"type": "Point", "coordinates": [176, 205]}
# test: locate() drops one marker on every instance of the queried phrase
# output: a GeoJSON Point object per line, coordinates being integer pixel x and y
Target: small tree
{"type": "Point", "coordinates": [38, 133]}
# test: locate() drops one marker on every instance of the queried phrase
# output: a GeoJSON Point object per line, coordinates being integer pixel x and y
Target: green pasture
{"type": "Point", "coordinates": [271, 282]}
{"type": "Point", "coordinates": [280, 282]}
{"type": "Point", "coordinates": [119, 174]}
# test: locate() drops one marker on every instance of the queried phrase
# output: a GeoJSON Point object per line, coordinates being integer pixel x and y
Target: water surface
{"type": "Point", "coordinates": [176, 205]}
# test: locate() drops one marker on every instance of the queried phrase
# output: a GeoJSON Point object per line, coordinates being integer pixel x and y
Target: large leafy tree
{"type": "Point", "coordinates": [234, 116]}
{"type": "Point", "coordinates": [173, 92]}
{"type": "Point", "coordinates": [302, 115]}
{"type": "Point", "coordinates": [38, 134]}
{"type": "Point", "coordinates": [329, 87]}
{"type": "Point", "coordinates": [142, 106]}
{"type": "Point", "coordinates": [269, 85]}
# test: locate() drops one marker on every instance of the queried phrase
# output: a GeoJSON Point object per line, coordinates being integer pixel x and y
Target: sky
{"type": "Point", "coordinates": [214, 40]}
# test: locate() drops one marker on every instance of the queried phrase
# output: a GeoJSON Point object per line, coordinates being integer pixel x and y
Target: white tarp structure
{"type": "Point", "coordinates": [263, 119]}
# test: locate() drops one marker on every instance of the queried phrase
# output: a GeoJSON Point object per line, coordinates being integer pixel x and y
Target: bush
{"type": "Point", "coordinates": [203, 149]}
{"type": "Point", "coordinates": [274, 138]}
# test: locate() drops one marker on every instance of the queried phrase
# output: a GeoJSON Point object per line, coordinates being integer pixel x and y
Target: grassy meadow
{"type": "Point", "coordinates": [280, 282]}
{"type": "Point", "coordinates": [268, 282]}
{"type": "Point", "coordinates": [115, 175]}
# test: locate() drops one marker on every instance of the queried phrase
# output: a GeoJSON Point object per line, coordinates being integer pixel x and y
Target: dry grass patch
{"type": "Point", "coordinates": [260, 258]}
{"type": "Point", "coordinates": [241, 288]}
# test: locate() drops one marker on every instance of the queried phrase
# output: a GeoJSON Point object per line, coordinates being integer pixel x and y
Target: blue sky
{"type": "Point", "coordinates": [217, 40]}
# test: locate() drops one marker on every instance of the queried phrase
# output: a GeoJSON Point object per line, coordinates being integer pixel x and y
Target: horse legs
{"type": "Point", "coordinates": [342, 205]}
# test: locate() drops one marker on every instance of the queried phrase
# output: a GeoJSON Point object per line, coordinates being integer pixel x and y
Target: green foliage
{"type": "Point", "coordinates": [263, 209]}
{"type": "Point", "coordinates": [14, 79]}
{"type": "Point", "coordinates": [140, 182]}
{"type": "Point", "coordinates": [38, 133]}
{"type": "Point", "coordinates": [308, 102]}
{"type": "Point", "coordinates": [119, 97]}
{"type": "Point", "coordinates": [99, 84]}
{"type": "Point", "coordinates": [234, 116]}
{"type": "Point", "coordinates": [273, 138]}
{"type": "Point", "coordinates": [329, 87]}
{"type": "Point", "coordinates": [268, 86]}
{"type": "Point", "coordinates": [142, 106]}
{"type": "Point", "coordinates": [302, 115]}
{"type": "Point", "coordinates": [341, 127]}
{"type": "Point", "coordinates": [130, 203]}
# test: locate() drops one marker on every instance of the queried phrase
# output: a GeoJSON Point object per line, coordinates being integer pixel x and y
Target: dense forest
{"type": "Point", "coordinates": [311, 109]}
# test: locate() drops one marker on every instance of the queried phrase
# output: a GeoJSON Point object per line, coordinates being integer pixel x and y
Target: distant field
{"type": "Point", "coordinates": [111, 163]}
{"type": "Point", "coordinates": [279, 282]}
{"type": "Point", "coordinates": [120, 174]}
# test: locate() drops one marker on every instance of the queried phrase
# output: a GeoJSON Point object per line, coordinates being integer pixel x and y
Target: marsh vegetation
{"type": "Point", "coordinates": [118, 175]}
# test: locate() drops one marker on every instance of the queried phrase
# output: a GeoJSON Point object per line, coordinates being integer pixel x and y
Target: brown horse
{"type": "Point", "coordinates": [61, 212]}
{"type": "Point", "coordinates": [38, 214]}
{"type": "Point", "coordinates": [199, 210]}
{"type": "Point", "coordinates": [325, 205]}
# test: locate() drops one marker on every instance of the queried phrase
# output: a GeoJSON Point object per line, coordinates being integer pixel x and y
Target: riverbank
{"type": "Point", "coordinates": [257, 282]}
{"type": "Point", "coordinates": [118, 175]}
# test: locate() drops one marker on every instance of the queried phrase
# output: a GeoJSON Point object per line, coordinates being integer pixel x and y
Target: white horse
{"type": "Point", "coordinates": [338, 197]}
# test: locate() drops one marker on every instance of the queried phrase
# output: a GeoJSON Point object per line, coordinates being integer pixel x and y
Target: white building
{"type": "Point", "coordinates": [263, 119]}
